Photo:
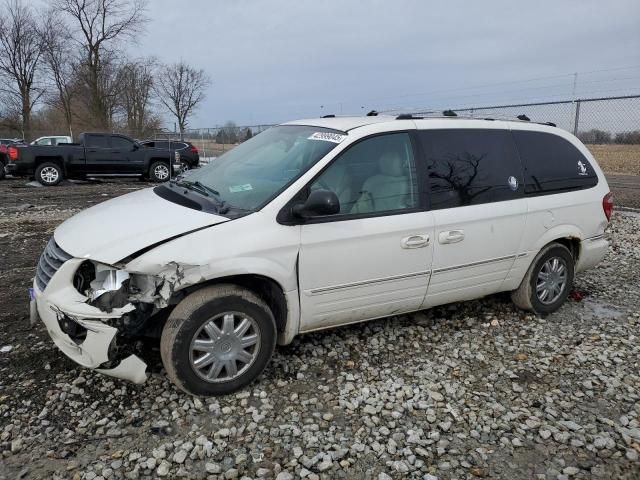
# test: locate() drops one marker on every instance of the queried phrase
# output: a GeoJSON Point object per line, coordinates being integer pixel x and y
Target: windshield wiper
{"type": "Point", "coordinates": [201, 188]}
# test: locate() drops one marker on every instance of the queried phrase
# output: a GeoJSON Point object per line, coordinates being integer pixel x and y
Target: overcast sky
{"type": "Point", "coordinates": [275, 60]}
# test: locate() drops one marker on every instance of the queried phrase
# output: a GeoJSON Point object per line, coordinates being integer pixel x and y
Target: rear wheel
{"type": "Point", "coordinates": [159, 172]}
{"type": "Point", "coordinates": [548, 281]}
{"type": "Point", "coordinates": [217, 340]}
{"type": "Point", "coordinates": [49, 174]}
{"type": "Point", "coordinates": [2, 173]}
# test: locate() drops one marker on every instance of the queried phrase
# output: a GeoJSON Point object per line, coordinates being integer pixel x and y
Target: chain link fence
{"type": "Point", "coordinates": [594, 120]}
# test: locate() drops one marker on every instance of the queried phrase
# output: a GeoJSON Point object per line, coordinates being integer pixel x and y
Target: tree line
{"type": "Point", "coordinates": [598, 137]}
{"type": "Point", "coordinates": [64, 64]}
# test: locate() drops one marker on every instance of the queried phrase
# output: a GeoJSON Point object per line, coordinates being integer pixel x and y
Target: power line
{"type": "Point", "coordinates": [565, 75]}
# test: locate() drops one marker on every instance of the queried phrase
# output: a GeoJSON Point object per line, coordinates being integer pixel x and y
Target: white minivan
{"type": "Point", "coordinates": [315, 224]}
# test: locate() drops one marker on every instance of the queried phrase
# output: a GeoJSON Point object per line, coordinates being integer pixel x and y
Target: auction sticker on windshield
{"type": "Point", "coordinates": [240, 188]}
{"type": "Point", "coordinates": [327, 137]}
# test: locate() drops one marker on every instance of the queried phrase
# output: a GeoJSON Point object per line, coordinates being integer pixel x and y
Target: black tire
{"type": "Point", "coordinates": [186, 323]}
{"type": "Point", "coordinates": [159, 172]}
{"type": "Point", "coordinates": [49, 174]}
{"type": "Point", "coordinates": [527, 297]}
{"type": "Point", "coordinates": [2, 172]}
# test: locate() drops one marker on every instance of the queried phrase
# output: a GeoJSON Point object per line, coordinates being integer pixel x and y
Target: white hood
{"type": "Point", "coordinates": [119, 227]}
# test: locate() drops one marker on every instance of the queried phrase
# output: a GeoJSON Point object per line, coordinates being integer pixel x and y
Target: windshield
{"type": "Point", "coordinates": [254, 172]}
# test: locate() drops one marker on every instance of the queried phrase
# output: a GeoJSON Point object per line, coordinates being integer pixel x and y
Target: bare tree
{"type": "Point", "coordinates": [102, 24]}
{"type": "Point", "coordinates": [181, 89]}
{"type": "Point", "coordinates": [20, 52]}
{"type": "Point", "coordinates": [135, 90]}
{"type": "Point", "coordinates": [60, 63]}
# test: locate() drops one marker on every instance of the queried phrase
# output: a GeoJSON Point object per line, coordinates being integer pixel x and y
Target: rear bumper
{"type": "Point", "coordinates": [592, 252]}
{"type": "Point", "coordinates": [61, 302]}
{"type": "Point", "coordinates": [18, 169]}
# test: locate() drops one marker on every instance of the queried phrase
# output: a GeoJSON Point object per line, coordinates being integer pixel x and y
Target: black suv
{"type": "Point", "coordinates": [189, 155]}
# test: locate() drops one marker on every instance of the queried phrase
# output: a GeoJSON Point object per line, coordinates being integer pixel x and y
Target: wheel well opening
{"type": "Point", "coordinates": [57, 160]}
{"type": "Point", "coordinates": [573, 244]}
{"type": "Point", "coordinates": [267, 289]}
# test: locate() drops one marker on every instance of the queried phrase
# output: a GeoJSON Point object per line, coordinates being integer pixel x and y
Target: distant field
{"type": "Point", "coordinates": [619, 159]}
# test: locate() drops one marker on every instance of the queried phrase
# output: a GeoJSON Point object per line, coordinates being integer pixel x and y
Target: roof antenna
{"type": "Point", "coordinates": [523, 117]}
{"type": "Point", "coordinates": [449, 113]}
{"type": "Point", "coordinates": [372, 113]}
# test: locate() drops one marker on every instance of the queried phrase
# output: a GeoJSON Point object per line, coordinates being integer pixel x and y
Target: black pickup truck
{"type": "Point", "coordinates": [96, 155]}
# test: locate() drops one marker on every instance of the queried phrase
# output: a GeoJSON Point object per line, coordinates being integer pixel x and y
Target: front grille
{"type": "Point", "coordinates": [50, 261]}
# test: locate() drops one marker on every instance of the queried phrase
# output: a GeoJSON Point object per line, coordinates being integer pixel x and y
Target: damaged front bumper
{"type": "Point", "coordinates": [81, 330]}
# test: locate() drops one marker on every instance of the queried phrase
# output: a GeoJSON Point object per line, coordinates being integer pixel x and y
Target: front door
{"type": "Point", "coordinates": [125, 157]}
{"type": "Point", "coordinates": [372, 259]}
{"type": "Point", "coordinates": [476, 193]}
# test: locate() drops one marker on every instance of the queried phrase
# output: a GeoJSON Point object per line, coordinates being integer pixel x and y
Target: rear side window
{"type": "Point", "coordinates": [97, 141]}
{"type": "Point", "coordinates": [471, 166]}
{"type": "Point", "coordinates": [121, 142]}
{"type": "Point", "coordinates": [552, 164]}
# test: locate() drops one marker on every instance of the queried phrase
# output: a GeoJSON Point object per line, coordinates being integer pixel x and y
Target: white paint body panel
{"type": "Point", "coordinates": [357, 269]}
{"type": "Point", "coordinates": [112, 230]}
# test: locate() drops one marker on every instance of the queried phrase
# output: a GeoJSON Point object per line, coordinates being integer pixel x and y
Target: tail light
{"type": "Point", "coordinates": [13, 153]}
{"type": "Point", "coordinates": [607, 205]}
{"type": "Point", "coordinates": [193, 149]}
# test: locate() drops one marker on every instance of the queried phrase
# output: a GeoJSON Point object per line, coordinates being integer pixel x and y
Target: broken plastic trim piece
{"type": "Point", "coordinates": [107, 279]}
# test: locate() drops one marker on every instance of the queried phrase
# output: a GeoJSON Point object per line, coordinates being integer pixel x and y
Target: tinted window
{"type": "Point", "coordinates": [471, 166]}
{"type": "Point", "coordinates": [122, 143]}
{"type": "Point", "coordinates": [96, 141]}
{"type": "Point", "coordinates": [375, 175]}
{"type": "Point", "coordinates": [178, 145]}
{"type": "Point", "coordinates": [552, 164]}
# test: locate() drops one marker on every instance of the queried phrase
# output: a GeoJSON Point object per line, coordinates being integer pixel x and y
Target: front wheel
{"type": "Point", "coordinates": [217, 340]}
{"type": "Point", "coordinates": [159, 172]}
{"type": "Point", "coordinates": [548, 281]}
{"type": "Point", "coordinates": [49, 174]}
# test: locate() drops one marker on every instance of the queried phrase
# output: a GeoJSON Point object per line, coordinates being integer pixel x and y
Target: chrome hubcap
{"type": "Point", "coordinates": [552, 280]}
{"type": "Point", "coordinates": [224, 347]}
{"type": "Point", "coordinates": [49, 174]}
{"type": "Point", "coordinates": [161, 172]}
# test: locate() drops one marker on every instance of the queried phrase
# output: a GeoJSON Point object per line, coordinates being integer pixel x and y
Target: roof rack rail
{"type": "Point", "coordinates": [449, 113]}
{"type": "Point", "coordinates": [331, 115]}
{"type": "Point", "coordinates": [523, 117]}
{"type": "Point", "coordinates": [407, 116]}
{"type": "Point", "coordinates": [551, 124]}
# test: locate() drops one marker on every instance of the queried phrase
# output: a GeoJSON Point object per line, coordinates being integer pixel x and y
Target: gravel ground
{"type": "Point", "coordinates": [476, 389]}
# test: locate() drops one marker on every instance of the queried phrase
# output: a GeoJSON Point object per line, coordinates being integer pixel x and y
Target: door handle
{"type": "Point", "coordinates": [415, 241]}
{"type": "Point", "coordinates": [451, 236]}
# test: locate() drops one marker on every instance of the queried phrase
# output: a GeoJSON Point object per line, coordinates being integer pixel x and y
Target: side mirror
{"type": "Point", "coordinates": [319, 203]}
{"type": "Point", "coordinates": [135, 147]}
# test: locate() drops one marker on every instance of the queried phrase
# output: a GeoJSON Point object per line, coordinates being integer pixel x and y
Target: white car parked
{"type": "Point", "coordinates": [52, 140]}
{"type": "Point", "coordinates": [315, 224]}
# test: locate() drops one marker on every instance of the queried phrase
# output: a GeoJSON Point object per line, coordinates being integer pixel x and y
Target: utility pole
{"type": "Point", "coordinates": [575, 85]}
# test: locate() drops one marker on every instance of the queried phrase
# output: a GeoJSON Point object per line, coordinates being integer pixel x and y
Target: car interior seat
{"type": "Point", "coordinates": [389, 189]}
